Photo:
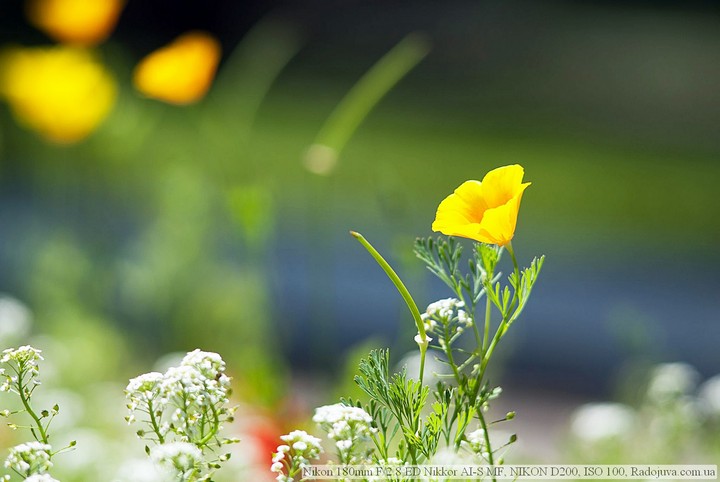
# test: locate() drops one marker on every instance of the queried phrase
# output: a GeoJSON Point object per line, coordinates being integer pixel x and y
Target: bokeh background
{"type": "Point", "coordinates": [217, 225]}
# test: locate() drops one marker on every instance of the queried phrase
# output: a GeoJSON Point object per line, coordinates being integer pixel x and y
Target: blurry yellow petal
{"type": "Point", "coordinates": [484, 211]}
{"type": "Point", "coordinates": [181, 72]}
{"type": "Point", "coordinates": [84, 22]}
{"type": "Point", "coordinates": [61, 92]}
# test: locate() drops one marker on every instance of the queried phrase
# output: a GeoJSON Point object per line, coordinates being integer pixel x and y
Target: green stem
{"type": "Point", "coordinates": [28, 408]}
{"type": "Point", "coordinates": [449, 355]}
{"type": "Point", "coordinates": [423, 351]}
{"type": "Point", "coordinates": [213, 429]}
{"type": "Point", "coordinates": [516, 295]}
{"type": "Point", "coordinates": [487, 440]}
{"type": "Point", "coordinates": [153, 422]}
{"type": "Point", "coordinates": [368, 91]}
{"type": "Point", "coordinates": [412, 306]}
{"type": "Point", "coordinates": [493, 343]}
{"type": "Point", "coordinates": [471, 312]}
{"type": "Point", "coordinates": [507, 316]}
{"type": "Point", "coordinates": [488, 315]}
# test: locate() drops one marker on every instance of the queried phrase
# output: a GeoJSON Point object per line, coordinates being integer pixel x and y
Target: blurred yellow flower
{"type": "Point", "coordinates": [61, 92]}
{"type": "Point", "coordinates": [83, 22]}
{"type": "Point", "coordinates": [180, 72]}
{"type": "Point", "coordinates": [484, 211]}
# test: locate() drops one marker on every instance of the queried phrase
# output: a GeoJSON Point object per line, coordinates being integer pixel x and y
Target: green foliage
{"type": "Point", "coordinates": [401, 397]}
{"type": "Point", "coordinates": [462, 396]}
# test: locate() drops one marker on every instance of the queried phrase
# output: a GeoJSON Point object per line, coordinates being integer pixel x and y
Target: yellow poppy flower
{"type": "Point", "coordinates": [484, 211]}
{"type": "Point", "coordinates": [83, 22]}
{"type": "Point", "coordinates": [61, 92]}
{"type": "Point", "coordinates": [181, 72]}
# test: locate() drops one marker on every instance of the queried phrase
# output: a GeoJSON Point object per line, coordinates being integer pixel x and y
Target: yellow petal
{"type": "Point", "coordinates": [181, 72]}
{"type": "Point", "coordinates": [84, 22]}
{"type": "Point", "coordinates": [61, 92]}
{"type": "Point", "coordinates": [501, 184]}
{"type": "Point", "coordinates": [498, 224]}
{"type": "Point", "coordinates": [484, 211]}
{"type": "Point", "coordinates": [456, 215]}
{"type": "Point", "coordinates": [459, 208]}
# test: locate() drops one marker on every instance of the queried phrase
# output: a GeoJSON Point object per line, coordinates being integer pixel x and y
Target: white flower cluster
{"type": "Point", "coordinates": [671, 381]}
{"type": "Point", "coordinates": [15, 319]}
{"type": "Point", "coordinates": [40, 478]}
{"type": "Point", "coordinates": [347, 425]}
{"type": "Point", "coordinates": [393, 461]}
{"type": "Point", "coordinates": [29, 458]}
{"type": "Point", "coordinates": [709, 395]}
{"type": "Point", "coordinates": [193, 390]}
{"type": "Point", "coordinates": [24, 360]}
{"type": "Point", "coordinates": [25, 355]}
{"type": "Point", "coordinates": [297, 452]}
{"type": "Point", "coordinates": [445, 312]}
{"type": "Point", "coordinates": [182, 411]}
{"type": "Point", "coordinates": [180, 457]}
{"type": "Point", "coordinates": [476, 442]}
{"type": "Point", "coordinates": [594, 422]}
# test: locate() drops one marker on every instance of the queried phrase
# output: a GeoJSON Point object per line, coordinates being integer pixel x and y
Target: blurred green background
{"type": "Point", "coordinates": [176, 227]}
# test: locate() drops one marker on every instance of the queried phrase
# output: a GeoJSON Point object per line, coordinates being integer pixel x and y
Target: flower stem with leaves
{"type": "Point", "coordinates": [35, 457]}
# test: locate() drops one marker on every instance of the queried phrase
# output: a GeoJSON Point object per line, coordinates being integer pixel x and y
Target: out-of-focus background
{"type": "Point", "coordinates": [140, 217]}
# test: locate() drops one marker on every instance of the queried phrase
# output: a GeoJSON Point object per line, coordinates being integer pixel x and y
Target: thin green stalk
{"type": "Point", "coordinates": [367, 92]}
{"type": "Point", "coordinates": [487, 441]}
{"type": "Point", "coordinates": [28, 408]}
{"type": "Point", "coordinates": [488, 315]}
{"type": "Point", "coordinates": [506, 316]}
{"type": "Point", "coordinates": [153, 422]}
{"type": "Point", "coordinates": [476, 330]}
{"type": "Point", "coordinates": [493, 343]}
{"type": "Point", "coordinates": [213, 428]}
{"type": "Point", "coordinates": [516, 295]}
{"type": "Point", "coordinates": [423, 344]}
{"type": "Point", "coordinates": [449, 355]}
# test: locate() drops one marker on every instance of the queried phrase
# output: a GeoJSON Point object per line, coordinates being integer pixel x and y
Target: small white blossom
{"type": "Point", "coordinates": [444, 308]}
{"type": "Point", "coordinates": [446, 313]}
{"type": "Point", "coordinates": [476, 437]}
{"type": "Point", "coordinates": [347, 425]}
{"type": "Point", "coordinates": [185, 407]}
{"type": "Point", "coordinates": [422, 341]}
{"type": "Point", "coordinates": [29, 458]}
{"type": "Point", "coordinates": [392, 461]}
{"type": "Point", "coordinates": [464, 318]}
{"type": "Point", "coordinates": [209, 364]}
{"type": "Point", "coordinates": [475, 442]}
{"type": "Point", "coordinates": [40, 478]}
{"type": "Point", "coordinates": [145, 384]}
{"type": "Point", "coordinates": [672, 380]}
{"type": "Point", "coordinates": [15, 319]}
{"type": "Point", "coordinates": [597, 421]}
{"type": "Point", "coordinates": [709, 395]}
{"type": "Point", "coordinates": [429, 322]}
{"type": "Point", "coordinates": [25, 355]}
{"type": "Point", "coordinates": [448, 456]}
{"type": "Point", "coordinates": [179, 456]}
{"type": "Point", "coordinates": [340, 412]}
{"type": "Point", "coordinates": [312, 443]}
{"type": "Point", "coordinates": [344, 445]}
{"type": "Point", "coordinates": [297, 452]}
